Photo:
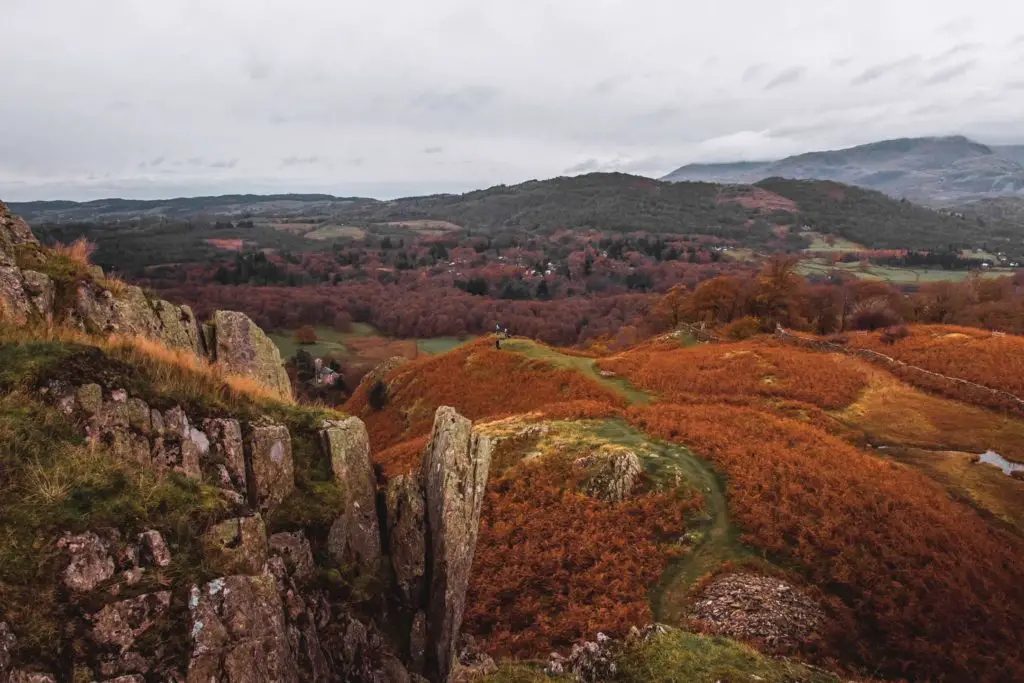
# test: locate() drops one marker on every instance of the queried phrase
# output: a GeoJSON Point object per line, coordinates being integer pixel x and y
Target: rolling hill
{"type": "Point", "coordinates": [935, 170]}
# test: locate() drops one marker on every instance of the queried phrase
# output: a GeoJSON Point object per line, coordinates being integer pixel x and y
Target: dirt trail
{"type": "Point", "coordinates": [585, 366]}
{"type": "Point", "coordinates": [719, 541]}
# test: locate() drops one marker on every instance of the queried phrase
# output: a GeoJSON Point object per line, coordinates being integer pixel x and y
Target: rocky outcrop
{"type": "Point", "coordinates": [89, 562]}
{"type": "Point", "coordinates": [355, 535]}
{"type": "Point", "coordinates": [454, 476]}
{"type": "Point", "coordinates": [406, 521]}
{"type": "Point", "coordinates": [270, 469]}
{"type": "Point", "coordinates": [589, 662]}
{"type": "Point", "coordinates": [269, 616]}
{"type": "Point", "coordinates": [238, 632]}
{"type": "Point", "coordinates": [236, 546]}
{"type": "Point", "coordinates": [116, 628]}
{"type": "Point", "coordinates": [610, 476]}
{"type": "Point", "coordinates": [242, 348]}
{"type": "Point", "coordinates": [13, 233]}
{"type": "Point", "coordinates": [94, 304]}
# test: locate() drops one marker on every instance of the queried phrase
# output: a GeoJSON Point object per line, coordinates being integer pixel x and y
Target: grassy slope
{"type": "Point", "coordinates": [51, 482]}
{"type": "Point", "coordinates": [679, 657]}
{"type": "Point", "coordinates": [585, 366]}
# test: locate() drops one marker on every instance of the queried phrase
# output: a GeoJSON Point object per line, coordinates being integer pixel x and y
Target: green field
{"type": "Point", "coordinates": [819, 243]}
{"type": "Point", "coordinates": [437, 345]}
{"type": "Point", "coordinates": [330, 341]}
{"type": "Point", "coordinates": [896, 275]}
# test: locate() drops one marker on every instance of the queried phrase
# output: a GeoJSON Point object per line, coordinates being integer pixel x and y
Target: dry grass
{"type": "Point", "coordinates": [78, 251]}
{"type": "Point", "coordinates": [891, 412]}
{"type": "Point", "coordinates": [173, 370]}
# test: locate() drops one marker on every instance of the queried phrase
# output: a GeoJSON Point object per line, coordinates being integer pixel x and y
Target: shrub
{"type": "Point", "coordinates": [894, 333]}
{"type": "Point", "coordinates": [874, 314]}
{"type": "Point", "coordinates": [378, 397]}
{"type": "Point", "coordinates": [742, 328]}
{"type": "Point", "coordinates": [306, 335]}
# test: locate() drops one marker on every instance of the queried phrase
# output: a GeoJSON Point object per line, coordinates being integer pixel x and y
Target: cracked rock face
{"type": "Point", "coordinates": [455, 475]}
{"type": "Point", "coordinates": [238, 632]}
{"type": "Point", "coordinates": [236, 546]}
{"type": "Point", "coordinates": [355, 535]}
{"type": "Point", "coordinates": [763, 608]}
{"type": "Point", "coordinates": [242, 348]}
{"type": "Point", "coordinates": [272, 470]}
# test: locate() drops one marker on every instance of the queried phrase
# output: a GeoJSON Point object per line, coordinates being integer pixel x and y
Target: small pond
{"type": "Point", "coordinates": [993, 458]}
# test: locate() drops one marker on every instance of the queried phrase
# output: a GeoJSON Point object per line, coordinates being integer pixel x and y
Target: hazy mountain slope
{"type": "Point", "coordinates": [613, 202]}
{"type": "Point", "coordinates": [937, 171]}
{"type": "Point", "coordinates": [184, 207]}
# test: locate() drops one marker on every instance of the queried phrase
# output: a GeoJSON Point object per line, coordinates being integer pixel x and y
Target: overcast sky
{"type": "Point", "coordinates": [157, 98]}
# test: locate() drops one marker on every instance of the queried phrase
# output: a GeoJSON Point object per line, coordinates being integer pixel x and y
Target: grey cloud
{"type": "Point", "coordinates": [258, 69]}
{"type": "Point", "coordinates": [1015, 85]}
{"type": "Point", "coordinates": [786, 77]}
{"type": "Point", "coordinates": [956, 50]}
{"type": "Point", "coordinates": [300, 161]}
{"type": "Point", "coordinates": [950, 73]}
{"type": "Point", "coordinates": [607, 85]}
{"type": "Point", "coordinates": [433, 150]}
{"type": "Point", "coordinates": [585, 166]}
{"type": "Point", "coordinates": [753, 72]}
{"type": "Point", "coordinates": [230, 81]}
{"type": "Point", "coordinates": [877, 71]}
{"type": "Point", "coordinates": [956, 26]}
{"type": "Point", "coordinates": [462, 101]}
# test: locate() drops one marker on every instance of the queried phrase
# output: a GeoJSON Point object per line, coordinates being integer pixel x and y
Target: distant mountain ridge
{"type": "Point", "coordinates": [236, 205]}
{"type": "Point", "coordinates": [937, 171]}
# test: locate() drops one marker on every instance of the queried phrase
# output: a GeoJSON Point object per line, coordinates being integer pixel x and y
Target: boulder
{"type": "Point", "coordinates": [474, 663]}
{"type": "Point", "coordinates": [365, 658]}
{"type": "Point", "coordinates": [455, 475]}
{"type": "Point", "coordinates": [591, 662]}
{"type": "Point", "coordinates": [407, 536]}
{"type": "Point", "coordinates": [13, 233]}
{"type": "Point", "coordinates": [226, 448]}
{"type": "Point", "coordinates": [236, 546]}
{"type": "Point", "coordinates": [89, 561]}
{"type": "Point", "coordinates": [355, 535]}
{"type": "Point", "coordinates": [98, 310]}
{"type": "Point", "coordinates": [293, 548]}
{"type": "Point", "coordinates": [139, 416]}
{"type": "Point", "coordinates": [15, 306]}
{"type": "Point", "coordinates": [610, 476]}
{"type": "Point", "coordinates": [41, 294]}
{"type": "Point", "coordinates": [273, 477]}
{"type": "Point", "coordinates": [156, 552]}
{"type": "Point", "coordinates": [178, 326]}
{"type": "Point", "coordinates": [119, 624]}
{"type": "Point", "coordinates": [90, 399]}
{"type": "Point", "coordinates": [238, 632]}
{"type": "Point", "coordinates": [242, 348]}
